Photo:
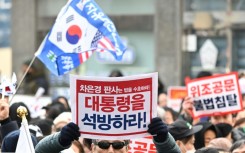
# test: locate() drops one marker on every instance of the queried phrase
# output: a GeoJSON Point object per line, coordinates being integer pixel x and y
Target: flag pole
{"type": "Point", "coordinates": [23, 77]}
{"type": "Point", "coordinates": [22, 112]}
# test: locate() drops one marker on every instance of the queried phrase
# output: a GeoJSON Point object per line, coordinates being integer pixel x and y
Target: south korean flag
{"type": "Point", "coordinates": [72, 33]}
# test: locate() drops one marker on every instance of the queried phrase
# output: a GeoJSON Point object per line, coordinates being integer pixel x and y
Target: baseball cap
{"type": "Point", "coordinates": [181, 129]}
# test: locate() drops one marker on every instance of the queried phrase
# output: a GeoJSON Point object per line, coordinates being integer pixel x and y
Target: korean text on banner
{"type": "Point", "coordinates": [80, 29]}
{"type": "Point", "coordinates": [215, 95]}
{"type": "Point", "coordinates": [142, 145]}
{"type": "Point", "coordinates": [114, 107]}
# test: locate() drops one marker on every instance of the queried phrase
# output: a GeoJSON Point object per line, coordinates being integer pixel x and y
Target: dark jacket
{"type": "Point", "coordinates": [168, 146]}
{"type": "Point", "coordinates": [6, 127]}
{"type": "Point", "coordinates": [50, 144]}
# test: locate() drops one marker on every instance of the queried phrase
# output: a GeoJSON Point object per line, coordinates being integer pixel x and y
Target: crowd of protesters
{"type": "Point", "coordinates": [173, 132]}
{"type": "Point", "coordinates": [213, 134]}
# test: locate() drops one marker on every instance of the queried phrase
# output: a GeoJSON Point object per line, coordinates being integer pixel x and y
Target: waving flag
{"type": "Point", "coordinates": [24, 143]}
{"type": "Point", "coordinates": [7, 87]}
{"type": "Point", "coordinates": [80, 29]}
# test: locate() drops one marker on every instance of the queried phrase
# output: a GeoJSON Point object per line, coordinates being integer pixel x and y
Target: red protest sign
{"type": "Point", "coordinates": [114, 107]}
{"type": "Point", "coordinates": [142, 145]}
{"type": "Point", "coordinates": [215, 95]}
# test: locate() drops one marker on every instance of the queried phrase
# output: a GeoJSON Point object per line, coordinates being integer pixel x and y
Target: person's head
{"type": "Point", "coordinates": [45, 125]}
{"type": "Point", "coordinates": [225, 130]}
{"type": "Point", "coordinates": [161, 86]}
{"type": "Point", "coordinates": [241, 75]}
{"type": "Point", "coordinates": [209, 135]}
{"type": "Point", "coordinates": [61, 120]}
{"type": "Point", "coordinates": [238, 147]}
{"type": "Point", "coordinates": [227, 118]}
{"type": "Point", "coordinates": [162, 100]}
{"type": "Point", "coordinates": [207, 150]}
{"type": "Point", "coordinates": [63, 100]}
{"type": "Point", "coordinates": [170, 115]}
{"type": "Point", "coordinates": [116, 73]}
{"type": "Point", "coordinates": [110, 146]}
{"type": "Point", "coordinates": [204, 136]}
{"type": "Point", "coordinates": [13, 112]}
{"type": "Point", "coordinates": [202, 74]}
{"type": "Point", "coordinates": [32, 68]}
{"type": "Point", "coordinates": [220, 143]}
{"type": "Point", "coordinates": [54, 109]}
{"type": "Point", "coordinates": [161, 113]}
{"type": "Point", "coordinates": [183, 133]}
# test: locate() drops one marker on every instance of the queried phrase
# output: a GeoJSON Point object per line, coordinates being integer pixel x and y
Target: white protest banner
{"type": "Point", "coordinates": [215, 95]}
{"type": "Point", "coordinates": [142, 145]}
{"type": "Point", "coordinates": [114, 107]}
{"type": "Point", "coordinates": [175, 96]}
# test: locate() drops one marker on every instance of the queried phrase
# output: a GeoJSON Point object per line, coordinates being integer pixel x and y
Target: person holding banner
{"type": "Point", "coordinates": [162, 139]}
{"type": "Point", "coordinates": [62, 140]}
{"type": "Point", "coordinates": [186, 109]}
{"type": "Point", "coordinates": [7, 125]}
{"type": "Point", "coordinates": [183, 133]}
{"type": "Point", "coordinates": [59, 141]}
{"type": "Point", "coordinates": [18, 140]}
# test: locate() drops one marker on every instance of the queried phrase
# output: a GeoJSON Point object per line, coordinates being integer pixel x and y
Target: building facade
{"type": "Point", "coordinates": [157, 33]}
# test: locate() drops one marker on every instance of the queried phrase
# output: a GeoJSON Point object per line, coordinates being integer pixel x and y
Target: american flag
{"type": "Point", "coordinates": [101, 42]}
{"type": "Point", "coordinates": [85, 55]}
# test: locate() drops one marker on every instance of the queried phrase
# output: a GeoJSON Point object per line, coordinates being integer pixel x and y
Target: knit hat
{"type": "Point", "coordinates": [220, 143]}
{"type": "Point", "coordinates": [63, 117]}
{"type": "Point", "coordinates": [10, 141]}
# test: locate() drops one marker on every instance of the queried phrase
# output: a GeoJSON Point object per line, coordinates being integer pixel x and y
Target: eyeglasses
{"type": "Point", "coordinates": [106, 144]}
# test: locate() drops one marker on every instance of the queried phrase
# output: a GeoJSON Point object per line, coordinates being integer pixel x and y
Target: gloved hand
{"type": "Point", "coordinates": [158, 129]}
{"type": "Point", "coordinates": [69, 133]}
